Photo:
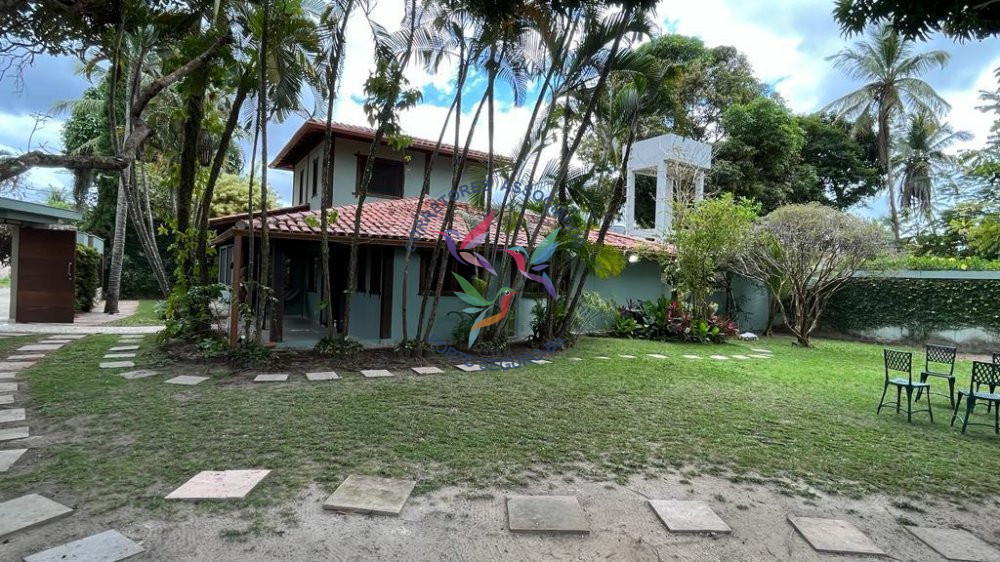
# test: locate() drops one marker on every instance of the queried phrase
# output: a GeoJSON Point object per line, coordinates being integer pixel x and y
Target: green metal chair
{"type": "Point", "coordinates": [939, 361]}
{"type": "Point", "coordinates": [982, 373]}
{"type": "Point", "coordinates": [902, 362]}
{"type": "Point", "coordinates": [993, 388]}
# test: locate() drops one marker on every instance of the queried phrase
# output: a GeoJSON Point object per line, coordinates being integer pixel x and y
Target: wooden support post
{"type": "Point", "coordinates": [235, 290]}
{"type": "Point", "coordinates": [277, 331]}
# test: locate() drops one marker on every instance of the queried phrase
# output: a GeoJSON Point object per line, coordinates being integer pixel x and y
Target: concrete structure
{"type": "Point", "coordinates": [679, 165]}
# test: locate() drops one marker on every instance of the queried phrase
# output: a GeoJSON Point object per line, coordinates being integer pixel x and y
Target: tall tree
{"type": "Point", "coordinates": [917, 19]}
{"type": "Point", "coordinates": [844, 156]}
{"type": "Point", "coordinates": [922, 161]}
{"type": "Point", "coordinates": [890, 71]}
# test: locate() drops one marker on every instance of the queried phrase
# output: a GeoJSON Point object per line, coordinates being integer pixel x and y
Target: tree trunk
{"type": "Point", "coordinates": [113, 290]}
{"type": "Point", "coordinates": [221, 152]}
{"type": "Point", "coordinates": [884, 146]}
{"type": "Point", "coordinates": [333, 71]}
{"type": "Point", "coordinates": [264, 275]}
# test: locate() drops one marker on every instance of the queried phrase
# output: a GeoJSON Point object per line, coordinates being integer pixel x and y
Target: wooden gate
{"type": "Point", "coordinates": [46, 268]}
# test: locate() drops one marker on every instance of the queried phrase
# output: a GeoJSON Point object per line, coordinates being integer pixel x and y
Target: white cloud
{"type": "Point", "coordinates": [964, 116]}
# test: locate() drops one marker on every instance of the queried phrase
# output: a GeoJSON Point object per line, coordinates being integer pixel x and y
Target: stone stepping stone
{"type": "Point", "coordinates": [603, 358]}
{"type": "Point", "coordinates": [505, 364]}
{"type": "Point", "coordinates": [140, 374]}
{"type": "Point", "coordinates": [744, 357]}
{"type": "Point", "coordinates": [109, 546]}
{"type": "Point", "coordinates": [70, 336]}
{"type": "Point", "coordinates": [956, 544]}
{"type": "Point", "coordinates": [11, 415]}
{"type": "Point", "coordinates": [6, 399]}
{"type": "Point", "coordinates": [575, 358]}
{"type": "Point", "coordinates": [186, 380]}
{"type": "Point", "coordinates": [8, 457]}
{"type": "Point", "coordinates": [125, 348]}
{"type": "Point", "coordinates": [833, 535]}
{"type": "Point", "coordinates": [689, 517]}
{"type": "Point", "coordinates": [41, 347]}
{"type": "Point", "coordinates": [219, 485]}
{"type": "Point", "coordinates": [15, 365]}
{"type": "Point", "coordinates": [8, 387]}
{"type": "Point", "coordinates": [719, 357]}
{"type": "Point", "coordinates": [117, 365]}
{"type": "Point", "coordinates": [28, 357]}
{"type": "Point", "coordinates": [376, 373]}
{"type": "Point", "coordinates": [427, 370]}
{"type": "Point", "coordinates": [626, 356]}
{"type": "Point", "coordinates": [272, 377]}
{"type": "Point", "coordinates": [656, 356]}
{"type": "Point", "coordinates": [540, 361]}
{"type": "Point", "coordinates": [758, 350]}
{"type": "Point", "coordinates": [469, 368]}
{"type": "Point", "coordinates": [327, 376]}
{"type": "Point", "coordinates": [691, 356]}
{"type": "Point", "coordinates": [119, 356]}
{"type": "Point", "coordinates": [13, 433]}
{"type": "Point", "coordinates": [7, 375]}
{"type": "Point", "coordinates": [370, 494]}
{"type": "Point", "coordinates": [756, 356]}
{"type": "Point", "coordinates": [55, 342]}
{"type": "Point", "coordinates": [546, 514]}
{"type": "Point", "coordinates": [29, 511]}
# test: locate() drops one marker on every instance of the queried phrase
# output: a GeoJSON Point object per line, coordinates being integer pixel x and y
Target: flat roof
{"type": "Point", "coordinates": [12, 210]}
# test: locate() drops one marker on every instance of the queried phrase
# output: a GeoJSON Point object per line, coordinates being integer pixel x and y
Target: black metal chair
{"type": "Point", "coordinates": [982, 373]}
{"type": "Point", "coordinates": [939, 361]}
{"type": "Point", "coordinates": [902, 361]}
{"type": "Point", "coordinates": [993, 388]}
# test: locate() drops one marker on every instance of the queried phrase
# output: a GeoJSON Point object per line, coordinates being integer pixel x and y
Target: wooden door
{"type": "Point", "coordinates": [46, 268]}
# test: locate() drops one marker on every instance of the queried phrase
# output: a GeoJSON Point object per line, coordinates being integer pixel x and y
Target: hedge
{"type": "Point", "coordinates": [921, 305]}
{"type": "Point", "coordinates": [88, 264]}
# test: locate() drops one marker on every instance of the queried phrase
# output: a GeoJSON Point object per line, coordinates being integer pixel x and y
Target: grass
{"type": "Point", "coordinates": [807, 415]}
{"type": "Point", "coordinates": [145, 315]}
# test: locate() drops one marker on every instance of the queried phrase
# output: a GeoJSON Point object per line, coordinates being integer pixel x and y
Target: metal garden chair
{"type": "Point", "coordinates": [939, 361]}
{"type": "Point", "coordinates": [902, 362]}
{"type": "Point", "coordinates": [993, 388]}
{"type": "Point", "coordinates": [982, 373]}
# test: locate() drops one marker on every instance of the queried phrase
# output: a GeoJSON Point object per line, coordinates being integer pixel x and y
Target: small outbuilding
{"type": "Point", "coordinates": [42, 261]}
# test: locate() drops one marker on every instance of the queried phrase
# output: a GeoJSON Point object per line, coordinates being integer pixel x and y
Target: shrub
{"type": "Point", "coordinates": [249, 354]}
{"type": "Point", "coordinates": [666, 320]}
{"type": "Point", "coordinates": [188, 313]}
{"type": "Point", "coordinates": [341, 349]}
{"type": "Point", "coordinates": [88, 265]}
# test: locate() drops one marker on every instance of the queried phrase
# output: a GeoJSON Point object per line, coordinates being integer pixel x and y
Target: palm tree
{"type": "Point", "coordinates": [890, 70]}
{"type": "Point", "coordinates": [920, 158]}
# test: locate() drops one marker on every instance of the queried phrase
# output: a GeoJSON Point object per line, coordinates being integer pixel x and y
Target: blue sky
{"type": "Point", "coordinates": [787, 42]}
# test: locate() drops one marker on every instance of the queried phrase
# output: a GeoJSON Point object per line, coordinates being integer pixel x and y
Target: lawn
{"type": "Point", "coordinates": [145, 315]}
{"type": "Point", "coordinates": [806, 415]}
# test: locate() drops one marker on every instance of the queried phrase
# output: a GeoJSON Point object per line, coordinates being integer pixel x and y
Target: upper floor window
{"type": "Point", "coordinates": [387, 177]}
{"type": "Point", "coordinates": [315, 176]}
{"type": "Point", "coordinates": [300, 192]}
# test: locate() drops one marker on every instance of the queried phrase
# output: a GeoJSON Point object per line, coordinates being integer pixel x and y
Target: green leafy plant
{"type": "Point", "coordinates": [87, 278]}
{"type": "Point", "coordinates": [623, 326]}
{"type": "Point", "coordinates": [920, 305]}
{"type": "Point", "coordinates": [249, 354]}
{"type": "Point", "coordinates": [339, 348]}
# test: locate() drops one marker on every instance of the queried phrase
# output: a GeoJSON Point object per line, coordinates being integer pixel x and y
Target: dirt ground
{"type": "Point", "coordinates": [470, 525]}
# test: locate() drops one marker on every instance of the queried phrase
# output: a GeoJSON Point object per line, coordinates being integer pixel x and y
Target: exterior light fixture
{"type": "Point", "coordinates": [633, 258]}
{"type": "Point", "coordinates": [204, 147]}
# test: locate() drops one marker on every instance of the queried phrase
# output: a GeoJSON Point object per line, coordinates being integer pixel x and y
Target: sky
{"type": "Point", "coordinates": [787, 42]}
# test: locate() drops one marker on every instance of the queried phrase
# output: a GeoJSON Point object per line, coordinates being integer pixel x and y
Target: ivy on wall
{"type": "Point", "coordinates": [87, 279]}
{"type": "Point", "coordinates": [921, 305]}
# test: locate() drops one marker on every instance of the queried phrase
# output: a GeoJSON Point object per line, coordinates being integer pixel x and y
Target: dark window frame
{"type": "Point", "coordinates": [395, 169]}
{"type": "Point", "coordinates": [315, 182]}
{"type": "Point", "coordinates": [450, 283]}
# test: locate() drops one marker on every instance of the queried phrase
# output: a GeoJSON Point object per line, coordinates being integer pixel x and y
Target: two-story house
{"type": "Point", "coordinates": [387, 217]}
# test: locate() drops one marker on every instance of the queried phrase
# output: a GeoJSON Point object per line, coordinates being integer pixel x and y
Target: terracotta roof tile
{"type": "Point", "coordinates": [390, 220]}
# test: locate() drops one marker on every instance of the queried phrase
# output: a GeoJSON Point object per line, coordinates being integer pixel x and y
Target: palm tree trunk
{"type": "Point", "coordinates": [884, 145]}
{"type": "Point", "coordinates": [333, 72]}
{"type": "Point", "coordinates": [221, 152]}
{"type": "Point", "coordinates": [424, 191]}
{"type": "Point", "coordinates": [385, 111]}
{"type": "Point", "coordinates": [264, 276]}
{"type": "Point", "coordinates": [113, 290]}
